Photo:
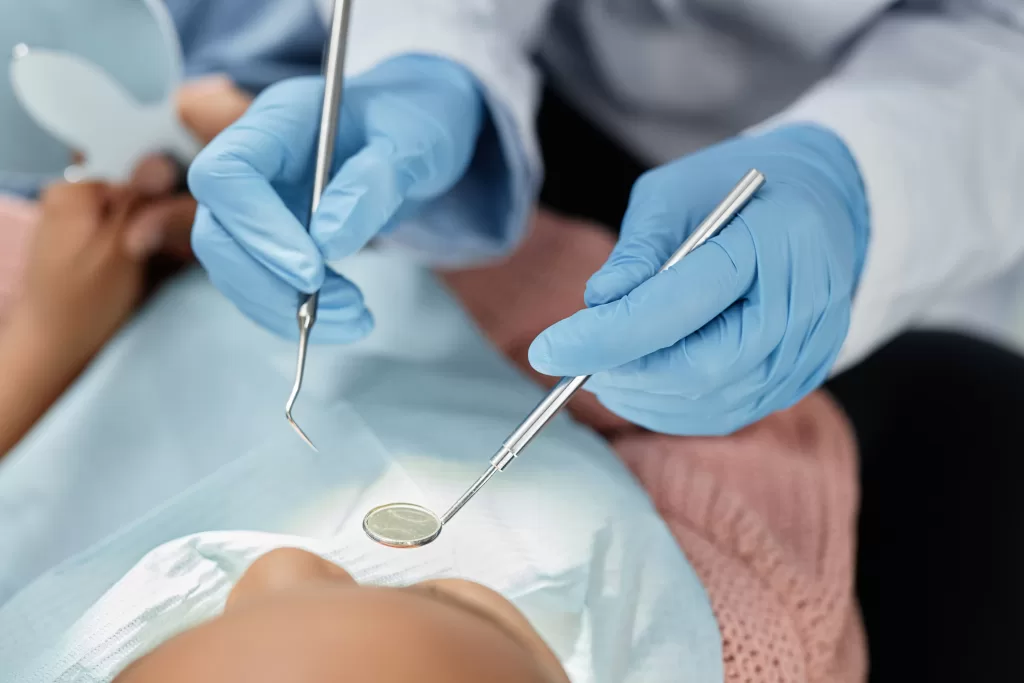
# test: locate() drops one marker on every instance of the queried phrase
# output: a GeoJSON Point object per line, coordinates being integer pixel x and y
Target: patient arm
{"type": "Point", "coordinates": [35, 368]}
{"type": "Point", "coordinates": [30, 371]}
{"type": "Point", "coordinates": [17, 223]}
{"type": "Point", "coordinates": [39, 359]}
{"type": "Point", "coordinates": [81, 280]}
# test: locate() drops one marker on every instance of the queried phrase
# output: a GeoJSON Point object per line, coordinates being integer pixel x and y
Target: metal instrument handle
{"type": "Point", "coordinates": [330, 115]}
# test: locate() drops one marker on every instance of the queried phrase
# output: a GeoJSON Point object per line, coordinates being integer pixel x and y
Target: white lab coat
{"type": "Point", "coordinates": [928, 96]}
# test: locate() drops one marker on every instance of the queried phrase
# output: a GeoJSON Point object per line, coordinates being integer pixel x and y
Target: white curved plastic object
{"type": "Point", "coordinates": [86, 109]}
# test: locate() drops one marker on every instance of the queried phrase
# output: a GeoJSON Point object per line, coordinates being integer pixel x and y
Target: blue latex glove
{"type": "Point", "coordinates": [747, 324]}
{"type": "Point", "coordinates": [408, 132]}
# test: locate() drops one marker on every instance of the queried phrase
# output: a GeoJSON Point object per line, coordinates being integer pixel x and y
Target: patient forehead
{"type": "Point", "coordinates": [317, 634]}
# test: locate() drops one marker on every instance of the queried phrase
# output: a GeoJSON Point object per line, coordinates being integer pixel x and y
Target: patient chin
{"type": "Point", "coordinates": [323, 630]}
{"type": "Point", "coordinates": [255, 662]}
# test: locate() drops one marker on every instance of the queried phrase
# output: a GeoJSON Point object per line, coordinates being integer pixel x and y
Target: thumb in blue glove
{"type": "Point", "coordinates": [407, 134]}
{"type": "Point", "coordinates": [747, 324]}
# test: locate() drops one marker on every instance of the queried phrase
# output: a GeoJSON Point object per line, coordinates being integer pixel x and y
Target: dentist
{"type": "Point", "coordinates": [889, 133]}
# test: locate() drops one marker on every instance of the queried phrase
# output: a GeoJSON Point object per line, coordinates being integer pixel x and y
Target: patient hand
{"type": "Point", "coordinates": [296, 617]}
{"type": "Point", "coordinates": [84, 271]}
{"type": "Point", "coordinates": [81, 282]}
{"type": "Point", "coordinates": [206, 107]}
{"type": "Point", "coordinates": [83, 277]}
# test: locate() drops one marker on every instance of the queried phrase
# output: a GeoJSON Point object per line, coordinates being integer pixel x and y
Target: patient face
{"type": "Point", "coordinates": [296, 617]}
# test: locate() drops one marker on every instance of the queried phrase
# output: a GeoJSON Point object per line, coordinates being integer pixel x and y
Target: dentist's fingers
{"type": "Point", "coordinates": [665, 207]}
{"type": "Point", "coordinates": [362, 200]}
{"type": "Point", "coordinates": [269, 145]}
{"type": "Point", "coordinates": [656, 314]}
{"type": "Point", "coordinates": [342, 315]}
{"type": "Point", "coordinates": [419, 142]}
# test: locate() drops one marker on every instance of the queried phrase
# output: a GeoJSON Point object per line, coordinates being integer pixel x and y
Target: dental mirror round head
{"type": "Point", "coordinates": [402, 525]}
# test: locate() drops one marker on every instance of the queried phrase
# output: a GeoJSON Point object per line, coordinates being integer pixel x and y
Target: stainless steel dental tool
{"type": "Point", "coordinates": [334, 72]}
{"type": "Point", "coordinates": [404, 525]}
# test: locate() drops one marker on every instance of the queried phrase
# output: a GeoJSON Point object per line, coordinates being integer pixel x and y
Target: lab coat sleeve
{"type": "Point", "coordinates": [255, 42]}
{"type": "Point", "coordinates": [484, 215]}
{"type": "Point", "coordinates": [932, 108]}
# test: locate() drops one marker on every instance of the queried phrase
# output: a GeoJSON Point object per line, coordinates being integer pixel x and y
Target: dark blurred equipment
{"type": "Point", "coordinates": [940, 422]}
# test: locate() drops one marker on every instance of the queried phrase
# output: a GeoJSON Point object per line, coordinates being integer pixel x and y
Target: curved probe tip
{"type": "Point", "coordinates": [298, 430]}
{"type": "Point", "coordinates": [299, 372]}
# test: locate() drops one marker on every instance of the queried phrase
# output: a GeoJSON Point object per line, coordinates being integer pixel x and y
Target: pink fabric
{"type": "Point", "coordinates": [17, 220]}
{"type": "Point", "coordinates": [766, 516]}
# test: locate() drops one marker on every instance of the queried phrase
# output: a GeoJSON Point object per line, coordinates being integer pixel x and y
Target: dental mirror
{"type": "Point", "coordinates": [402, 525]}
{"type": "Point", "coordinates": [84, 107]}
{"type": "Point", "coordinates": [133, 42]}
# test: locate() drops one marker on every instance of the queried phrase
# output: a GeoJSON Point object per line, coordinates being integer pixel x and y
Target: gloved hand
{"type": "Point", "coordinates": [407, 134]}
{"type": "Point", "coordinates": [745, 325]}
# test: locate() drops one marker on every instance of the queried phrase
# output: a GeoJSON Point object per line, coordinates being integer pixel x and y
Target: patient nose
{"type": "Point", "coordinates": [282, 569]}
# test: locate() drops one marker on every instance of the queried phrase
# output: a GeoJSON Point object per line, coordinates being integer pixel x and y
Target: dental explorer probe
{"type": "Point", "coordinates": [405, 525]}
{"type": "Point", "coordinates": [334, 73]}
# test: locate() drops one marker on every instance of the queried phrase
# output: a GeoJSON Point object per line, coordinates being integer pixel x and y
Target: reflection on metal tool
{"type": "Point", "coordinates": [334, 72]}
{"type": "Point", "coordinates": [403, 525]}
